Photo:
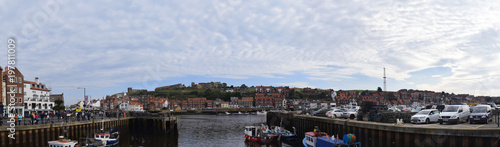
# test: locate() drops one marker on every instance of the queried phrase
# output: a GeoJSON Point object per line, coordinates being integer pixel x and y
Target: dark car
{"type": "Point", "coordinates": [320, 112]}
{"type": "Point", "coordinates": [481, 114]}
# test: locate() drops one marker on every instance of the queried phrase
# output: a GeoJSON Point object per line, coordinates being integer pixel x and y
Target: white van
{"type": "Point", "coordinates": [454, 114]}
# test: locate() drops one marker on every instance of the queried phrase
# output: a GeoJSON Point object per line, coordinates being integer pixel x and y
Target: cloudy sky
{"type": "Point", "coordinates": [105, 46]}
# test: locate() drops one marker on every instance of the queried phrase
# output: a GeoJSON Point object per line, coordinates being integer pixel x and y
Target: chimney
{"type": "Point", "coordinates": [36, 80]}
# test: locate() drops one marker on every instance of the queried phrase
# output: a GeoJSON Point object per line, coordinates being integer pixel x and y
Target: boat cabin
{"type": "Point", "coordinates": [251, 131]}
{"type": "Point", "coordinates": [311, 138]}
{"type": "Point", "coordinates": [63, 143]}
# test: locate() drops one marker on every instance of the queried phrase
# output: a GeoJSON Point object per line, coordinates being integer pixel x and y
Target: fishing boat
{"type": "Point", "coordinates": [108, 138]}
{"type": "Point", "coordinates": [260, 134]}
{"type": "Point", "coordinates": [321, 139]}
{"type": "Point", "coordinates": [286, 136]}
{"type": "Point", "coordinates": [62, 142]}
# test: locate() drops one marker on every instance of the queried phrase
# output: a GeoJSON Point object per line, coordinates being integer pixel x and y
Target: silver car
{"type": "Point", "coordinates": [425, 116]}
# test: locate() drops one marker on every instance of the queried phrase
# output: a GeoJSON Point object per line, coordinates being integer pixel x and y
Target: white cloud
{"type": "Point", "coordinates": [106, 44]}
{"type": "Point", "coordinates": [296, 84]}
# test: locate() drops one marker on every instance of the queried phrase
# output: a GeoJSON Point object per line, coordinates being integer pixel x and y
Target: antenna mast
{"type": "Point", "coordinates": [385, 85]}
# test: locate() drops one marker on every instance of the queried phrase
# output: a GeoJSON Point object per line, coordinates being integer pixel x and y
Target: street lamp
{"type": "Point", "coordinates": [83, 92]}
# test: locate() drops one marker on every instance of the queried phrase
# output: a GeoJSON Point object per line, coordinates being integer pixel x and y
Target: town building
{"type": "Point", "coordinates": [13, 89]}
{"type": "Point", "coordinates": [37, 97]}
{"type": "Point", "coordinates": [246, 102]}
{"type": "Point", "coordinates": [136, 106]}
{"type": "Point", "coordinates": [210, 104]}
{"type": "Point", "coordinates": [263, 102]}
{"type": "Point", "coordinates": [197, 103]}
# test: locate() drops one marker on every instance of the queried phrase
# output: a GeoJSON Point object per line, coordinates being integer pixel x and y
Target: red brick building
{"type": "Point", "coordinates": [210, 104]}
{"type": "Point", "coordinates": [246, 102]}
{"type": "Point", "coordinates": [263, 102]}
{"type": "Point", "coordinates": [197, 103]}
{"type": "Point", "coordinates": [14, 89]}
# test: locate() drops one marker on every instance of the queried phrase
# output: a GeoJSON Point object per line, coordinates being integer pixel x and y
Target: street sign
{"type": "Point", "coordinates": [78, 109]}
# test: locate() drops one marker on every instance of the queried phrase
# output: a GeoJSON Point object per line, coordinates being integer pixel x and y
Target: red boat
{"type": "Point", "coordinates": [260, 134]}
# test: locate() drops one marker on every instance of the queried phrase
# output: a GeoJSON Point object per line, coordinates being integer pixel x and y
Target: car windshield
{"type": "Point", "coordinates": [450, 109]}
{"type": "Point", "coordinates": [425, 112]}
{"type": "Point", "coordinates": [479, 110]}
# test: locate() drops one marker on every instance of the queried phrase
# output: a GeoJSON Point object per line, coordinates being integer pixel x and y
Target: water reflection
{"type": "Point", "coordinates": [197, 131]}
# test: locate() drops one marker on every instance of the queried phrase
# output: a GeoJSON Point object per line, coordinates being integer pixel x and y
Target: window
{"type": "Point", "coordinates": [20, 90]}
{"type": "Point", "coordinates": [20, 80]}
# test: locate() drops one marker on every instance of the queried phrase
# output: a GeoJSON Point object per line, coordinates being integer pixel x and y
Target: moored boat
{"type": "Point", "coordinates": [107, 138]}
{"type": "Point", "coordinates": [260, 134]}
{"type": "Point", "coordinates": [264, 112]}
{"type": "Point", "coordinates": [286, 136]}
{"type": "Point", "coordinates": [62, 142]}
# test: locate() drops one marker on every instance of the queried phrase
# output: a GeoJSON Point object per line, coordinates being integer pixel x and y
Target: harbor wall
{"type": "Point", "coordinates": [385, 134]}
{"type": "Point", "coordinates": [39, 135]}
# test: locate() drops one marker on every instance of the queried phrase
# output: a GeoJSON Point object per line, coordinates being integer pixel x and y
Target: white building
{"type": "Point", "coordinates": [136, 106]}
{"type": "Point", "coordinates": [36, 97]}
{"type": "Point", "coordinates": [165, 104]}
{"type": "Point", "coordinates": [124, 105]}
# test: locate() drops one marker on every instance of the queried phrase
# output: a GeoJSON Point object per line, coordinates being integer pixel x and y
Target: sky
{"type": "Point", "coordinates": [107, 46]}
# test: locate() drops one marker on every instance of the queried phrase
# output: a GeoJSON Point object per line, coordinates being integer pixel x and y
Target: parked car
{"type": "Point", "coordinates": [320, 112]}
{"type": "Point", "coordinates": [425, 116]}
{"type": "Point", "coordinates": [481, 114]}
{"type": "Point", "coordinates": [335, 113]}
{"type": "Point", "coordinates": [454, 114]}
{"type": "Point", "coordinates": [493, 105]}
{"type": "Point", "coordinates": [351, 113]}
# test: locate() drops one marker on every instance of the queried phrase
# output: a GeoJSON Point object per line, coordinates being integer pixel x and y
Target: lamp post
{"type": "Point", "coordinates": [84, 90]}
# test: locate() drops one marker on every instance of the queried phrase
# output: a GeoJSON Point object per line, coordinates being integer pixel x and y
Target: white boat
{"type": "Point", "coordinates": [109, 138]}
{"type": "Point", "coordinates": [63, 142]}
{"type": "Point", "coordinates": [239, 113]}
{"type": "Point", "coordinates": [264, 112]}
{"type": "Point", "coordinates": [227, 113]}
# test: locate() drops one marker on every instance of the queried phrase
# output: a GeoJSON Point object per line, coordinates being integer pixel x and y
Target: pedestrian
{"type": "Point", "coordinates": [42, 117]}
{"type": "Point", "coordinates": [48, 117]}
{"type": "Point", "coordinates": [16, 117]}
{"type": "Point", "coordinates": [20, 118]}
{"type": "Point", "coordinates": [32, 118]}
{"type": "Point", "coordinates": [36, 118]}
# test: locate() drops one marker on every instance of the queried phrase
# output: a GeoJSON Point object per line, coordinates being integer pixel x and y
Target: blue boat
{"type": "Point", "coordinates": [107, 138]}
{"type": "Point", "coordinates": [286, 135]}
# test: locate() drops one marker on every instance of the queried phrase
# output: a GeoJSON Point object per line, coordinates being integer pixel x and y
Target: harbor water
{"type": "Point", "coordinates": [199, 130]}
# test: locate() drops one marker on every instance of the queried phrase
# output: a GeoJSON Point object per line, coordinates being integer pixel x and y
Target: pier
{"type": "Point", "coordinates": [390, 134]}
{"type": "Point", "coordinates": [39, 135]}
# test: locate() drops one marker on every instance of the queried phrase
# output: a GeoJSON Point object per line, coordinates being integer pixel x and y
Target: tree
{"type": "Point", "coordinates": [379, 89]}
{"type": "Point", "coordinates": [243, 86]}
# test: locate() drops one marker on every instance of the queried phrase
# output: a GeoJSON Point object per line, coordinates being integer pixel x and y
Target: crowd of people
{"type": "Point", "coordinates": [51, 117]}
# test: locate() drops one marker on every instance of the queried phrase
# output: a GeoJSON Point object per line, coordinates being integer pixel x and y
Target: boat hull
{"type": "Point", "coordinates": [262, 140]}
